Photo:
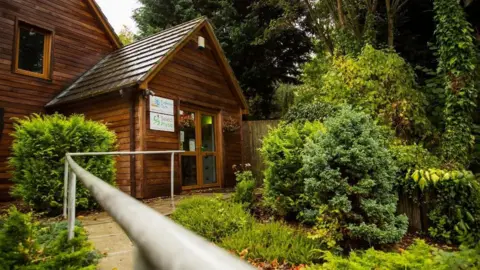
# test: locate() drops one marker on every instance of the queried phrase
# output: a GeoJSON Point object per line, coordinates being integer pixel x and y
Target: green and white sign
{"type": "Point", "coordinates": [162, 122]}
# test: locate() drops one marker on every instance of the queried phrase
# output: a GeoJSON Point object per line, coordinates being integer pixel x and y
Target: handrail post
{"type": "Point", "coordinates": [172, 182]}
{"type": "Point", "coordinates": [71, 205]}
{"type": "Point", "coordinates": [65, 188]}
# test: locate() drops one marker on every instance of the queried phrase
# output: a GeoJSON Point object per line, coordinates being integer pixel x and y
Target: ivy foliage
{"type": "Point", "coordinates": [38, 156]}
{"type": "Point", "coordinates": [27, 244]}
{"type": "Point", "coordinates": [349, 170]}
{"type": "Point", "coordinates": [456, 65]}
{"type": "Point", "coordinates": [453, 200]}
{"type": "Point", "coordinates": [282, 153]}
{"type": "Point", "coordinates": [379, 83]}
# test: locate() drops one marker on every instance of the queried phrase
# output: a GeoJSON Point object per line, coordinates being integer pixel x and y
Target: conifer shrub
{"type": "Point", "coordinates": [27, 244]}
{"type": "Point", "coordinates": [282, 153]}
{"type": "Point", "coordinates": [350, 173]}
{"type": "Point", "coordinates": [38, 156]}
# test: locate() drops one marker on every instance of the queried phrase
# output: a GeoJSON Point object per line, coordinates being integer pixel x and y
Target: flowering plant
{"type": "Point", "coordinates": [230, 125]}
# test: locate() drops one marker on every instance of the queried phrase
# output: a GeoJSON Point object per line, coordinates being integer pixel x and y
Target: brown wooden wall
{"type": "Point", "coordinates": [192, 78]}
{"type": "Point", "coordinates": [114, 111]}
{"type": "Point", "coordinates": [78, 43]}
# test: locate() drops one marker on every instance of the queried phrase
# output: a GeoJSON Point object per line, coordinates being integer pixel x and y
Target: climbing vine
{"type": "Point", "coordinates": [456, 56]}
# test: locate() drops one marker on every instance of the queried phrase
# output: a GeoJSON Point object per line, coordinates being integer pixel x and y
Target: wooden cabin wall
{"type": "Point", "coordinates": [78, 44]}
{"type": "Point", "coordinates": [114, 111]}
{"type": "Point", "coordinates": [192, 77]}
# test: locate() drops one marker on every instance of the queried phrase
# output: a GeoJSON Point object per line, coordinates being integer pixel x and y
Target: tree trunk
{"type": "Point", "coordinates": [341, 16]}
{"type": "Point", "coordinates": [390, 20]}
{"type": "Point", "coordinates": [318, 28]}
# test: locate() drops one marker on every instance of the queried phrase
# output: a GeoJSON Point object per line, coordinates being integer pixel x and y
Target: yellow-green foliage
{"type": "Point", "coordinates": [380, 83]}
{"type": "Point", "coordinates": [420, 256]}
{"type": "Point", "coordinates": [38, 151]}
{"type": "Point", "coordinates": [282, 153]}
{"type": "Point", "coordinates": [453, 201]}
{"type": "Point", "coordinates": [26, 244]}
{"type": "Point", "coordinates": [211, 217]}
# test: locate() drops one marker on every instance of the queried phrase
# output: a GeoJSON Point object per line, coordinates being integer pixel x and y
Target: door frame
{"type": "Point", "coordinates": [218, 153]}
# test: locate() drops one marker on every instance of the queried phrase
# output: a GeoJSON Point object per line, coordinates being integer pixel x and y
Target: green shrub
{"type": "Point", "coordinates": [453, 201]}
{"type": "Point", "coordinates": [281, 151]}
{"type": "Point", "coordinates": [245, 188]}
{"type": "Point", "coordinates": [350, 171]}
{"type": "Point", "coordinates": [419, 256]}
{"type": "Point", "coordinates": [310, 112]}
{"type": "Point", "coordinates": [415, 257]}
{"type": "Point", "coordinates": [39, 147]}
{"type": "Point", "coordinates": [26, 244]}
{"type": "Point", "coordinates": [210, 217]}
{"type": "Point", "coordinates": [381, 84]}
{"type": "Point", "coordinates": [272, 241]}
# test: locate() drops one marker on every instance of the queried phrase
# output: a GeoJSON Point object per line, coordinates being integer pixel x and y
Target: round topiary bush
{"type": "Point", "coordinates": [38, 156]}
{"type": "Point", "coordinates": [350, 175]}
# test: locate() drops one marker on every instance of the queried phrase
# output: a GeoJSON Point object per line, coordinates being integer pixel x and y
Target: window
{"type": "Point", "coordinates": [33, 51]}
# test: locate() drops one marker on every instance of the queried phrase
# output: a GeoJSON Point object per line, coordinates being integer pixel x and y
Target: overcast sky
{"type": "Point", "coordinates": [119, 12]}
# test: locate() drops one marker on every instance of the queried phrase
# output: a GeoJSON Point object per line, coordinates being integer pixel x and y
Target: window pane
{"type": "Point", "coordinates": [209, 172]}
{"type": "Point", "coordinates": [208, 133]}
{"type": "Point", "coordinates": [189, 170]}
{"type": "Point", "coordinates": [187, 131]}
{"type": "Point", "coordinates": [31, 45]}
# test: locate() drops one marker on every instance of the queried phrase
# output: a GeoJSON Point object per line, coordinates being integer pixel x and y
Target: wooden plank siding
{"type": "Point", "coordinates": [79, 42]}
{"type": "Point", "coordinates": [193, 78]}
{"type": "Point", "coordinates": [114, 111]}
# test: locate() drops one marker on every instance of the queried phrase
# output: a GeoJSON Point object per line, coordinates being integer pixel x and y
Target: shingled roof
{"type": "Point", "coordinates": [127, 66]}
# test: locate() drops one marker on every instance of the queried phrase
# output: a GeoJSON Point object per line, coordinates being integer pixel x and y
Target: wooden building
{"type": "Point", "coordinates": [171, 91]}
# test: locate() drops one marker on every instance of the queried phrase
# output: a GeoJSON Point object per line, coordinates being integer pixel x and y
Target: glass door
{"type": "Point", "coordinates": [198, 131]}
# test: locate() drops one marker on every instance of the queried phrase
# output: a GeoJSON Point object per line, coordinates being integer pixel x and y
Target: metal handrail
{"type": "Point", "coordinates": [66, 174]}
{"type": "Point", "coordinates": [160, 243]}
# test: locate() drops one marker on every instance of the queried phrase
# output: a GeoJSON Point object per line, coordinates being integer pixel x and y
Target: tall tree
{"type": "Point", "coordinates": [260, 55]}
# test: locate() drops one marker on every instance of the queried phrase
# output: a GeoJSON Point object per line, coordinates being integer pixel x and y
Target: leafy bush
{"type": "Point", "coordinates": [381, 84]}
{"type": "Point", "coordinates": [453, 201]}
{"type": "Point", "coordinates": [310, 112]}
{"type": "Point", "coordinates": [245, 188]}
{"type": "Point", "coordinates": [349, 170]}
{"type": "Point", "coordinates": [281, 151]}
{"type": "Point", "coordinates": [272, 241]}
{"type": "Point", "coordinates": [25, 244]}
{"type": "Point", "coordinates": [418, 256]}
{"type": "Point", "coordinates": [211, 217]}
{"type": "Point", "coordinates": [39, 148]}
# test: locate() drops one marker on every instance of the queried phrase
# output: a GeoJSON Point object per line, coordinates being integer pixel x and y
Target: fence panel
{"type": "Point", "coordinates": [253, 133]}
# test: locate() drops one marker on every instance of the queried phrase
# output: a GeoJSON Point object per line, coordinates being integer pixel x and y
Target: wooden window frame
{"type": "Point", "coordinates": [218, 153]}
{"type": "Point", "coordinates": [47, 51]}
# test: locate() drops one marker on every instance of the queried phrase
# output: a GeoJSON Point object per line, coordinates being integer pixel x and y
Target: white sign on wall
{"type": "Point", "coordinates": [161, 105]}
{"type": "Point", "coordinates": [162, 122]}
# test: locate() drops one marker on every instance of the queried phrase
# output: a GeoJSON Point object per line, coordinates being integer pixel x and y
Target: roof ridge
{"type": "Point", "coordinates": [199, 19]}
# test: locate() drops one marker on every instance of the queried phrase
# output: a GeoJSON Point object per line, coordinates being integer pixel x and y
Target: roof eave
{"type": "Point", "coordinates": [106, 25]}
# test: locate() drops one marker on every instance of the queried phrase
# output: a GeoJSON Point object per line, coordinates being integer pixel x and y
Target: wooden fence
{"type": "Point", "coordinates": [253, 133]}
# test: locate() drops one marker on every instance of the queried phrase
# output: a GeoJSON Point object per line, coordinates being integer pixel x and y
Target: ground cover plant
{"type": "Point", "coordinates": [27, 244]}
{"type": "Point", "coordinates": [38, 152]}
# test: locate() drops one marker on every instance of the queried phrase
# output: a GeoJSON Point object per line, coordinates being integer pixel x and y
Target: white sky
{"type": "Point", "coordinates": [119, 13]}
